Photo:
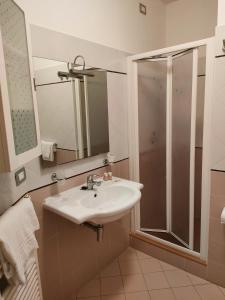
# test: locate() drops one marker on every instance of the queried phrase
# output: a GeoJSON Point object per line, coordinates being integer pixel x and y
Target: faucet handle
{"type": "Point", "coordinates": [91, 182]}
{"type": "Point", "coordinates": [97, 182]}
{"type": "Point", "coordinates": [91, 177]}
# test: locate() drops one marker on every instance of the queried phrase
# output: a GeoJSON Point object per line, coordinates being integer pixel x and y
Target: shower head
{"type": "Point", "coordinates": [73, 72]}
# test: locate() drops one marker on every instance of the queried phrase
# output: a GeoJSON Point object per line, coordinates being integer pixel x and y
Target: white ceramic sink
{"type": "Point", "coordinates": [104, 204]}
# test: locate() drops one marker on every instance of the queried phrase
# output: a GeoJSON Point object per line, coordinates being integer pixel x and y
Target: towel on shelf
{"type": "Point", "coordinates": [17, 240]}
{"type": "Point", "coordinates": [47, 149]}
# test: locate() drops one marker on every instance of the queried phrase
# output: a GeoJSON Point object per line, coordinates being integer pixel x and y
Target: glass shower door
{"type": "Point", "coordinates": [181, 134]}
{"type": "Point", "coordinates": [183, 110]}
{"type": "Point", "coordinates": [152, 90]}
{"type": "Point", "coordinates": [167, 91]}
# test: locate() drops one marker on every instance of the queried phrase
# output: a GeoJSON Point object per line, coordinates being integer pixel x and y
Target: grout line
{"type": "Point", "coordinates": [174, 293]}
{"type": "Point", "coordinates": [198, 292]}
{"type": "Point", "coordinates": [148, 291]}
{"type": "Point", "coordinates": [100, 280]}
{"type": "Point", "coordinates": [122, 279]}
{"type": "Point", "coordinates": [149, 294]}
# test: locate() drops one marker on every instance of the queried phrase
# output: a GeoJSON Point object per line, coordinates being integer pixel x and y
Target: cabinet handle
{"type": "Point", "coordinates": [223, 48]}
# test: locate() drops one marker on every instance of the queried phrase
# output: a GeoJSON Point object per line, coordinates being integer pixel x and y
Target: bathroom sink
{"type": "Point", "coordinates": [107, 203]}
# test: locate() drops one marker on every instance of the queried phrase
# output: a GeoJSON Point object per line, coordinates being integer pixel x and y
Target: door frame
{"type": "Point", "coordinates": [134, 138]}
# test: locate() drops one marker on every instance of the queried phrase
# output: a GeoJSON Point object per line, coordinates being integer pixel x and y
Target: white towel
{"type": "Point", "coordinates": [47, 149]}
{"type": "Point", "coordinates": [17, 240]}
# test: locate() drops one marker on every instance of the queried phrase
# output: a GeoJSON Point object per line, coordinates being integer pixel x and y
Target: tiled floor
{"type": "Point", "coordinates": [137, 276]}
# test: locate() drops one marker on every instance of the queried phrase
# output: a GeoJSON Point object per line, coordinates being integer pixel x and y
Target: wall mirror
{"type": "Point", "coordinates": [73, 111]}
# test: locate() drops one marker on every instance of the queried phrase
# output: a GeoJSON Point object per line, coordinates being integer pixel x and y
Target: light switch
{"type": "Point", "coordinates": [20, 176]}
{"type": "Point", "coordinates": [143, 9]}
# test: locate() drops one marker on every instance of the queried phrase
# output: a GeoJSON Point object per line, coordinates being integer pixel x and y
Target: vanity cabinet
{"type": "Point", "coordinates": [19, 126]}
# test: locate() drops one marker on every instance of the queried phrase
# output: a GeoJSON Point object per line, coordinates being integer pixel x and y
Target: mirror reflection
{"type": "Point", "coordinates": [73, 110]}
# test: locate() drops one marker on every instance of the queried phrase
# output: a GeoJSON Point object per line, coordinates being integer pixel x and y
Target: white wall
{"type": "Point", "coordinates": [218, 104]}
{"type": "Point", "coordinates": [189, 20]}
{"type": "Point", "coordinates": [114, 23]}
{"type": "Point", "coordinates": [62, 47]}
{"type": "Point", "coordinates": [221, 13]}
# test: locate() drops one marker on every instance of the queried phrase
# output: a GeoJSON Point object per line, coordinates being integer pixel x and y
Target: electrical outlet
{"type": "Point", "coordinates": [143, 9]}
{"type": "Point", "coordinates": [20, 176]}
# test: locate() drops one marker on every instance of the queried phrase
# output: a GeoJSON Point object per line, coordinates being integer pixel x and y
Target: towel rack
{"type": "Point", "coordinates": [55, 145]}
{"type": "Point", "coordinates": [31, 290]}
{"type": "Point", "coordinates": [3, 284]}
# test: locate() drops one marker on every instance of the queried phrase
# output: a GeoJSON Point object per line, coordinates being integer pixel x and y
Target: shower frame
{"type": "Point", "coordinates": [134, 138]}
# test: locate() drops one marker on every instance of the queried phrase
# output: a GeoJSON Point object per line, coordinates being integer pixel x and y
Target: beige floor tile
{"type": "Point", "coordinates": [222, 289]}
{"type": "Point", "coordinates": [167, 267]}
{"type": "Point", "coordinates": [165, 294]}
{"type": "Point", "coordinates": [114, 297]}
{"type": "Point", "coordinates": [129, 253]}
{"type": "Point", "coordinates": [138, 296]}
{"type": "Point", "coordinates": [150, 265]}
{"type": "Point", "coordinates": [89, 298]}
{"type": "Point", "coordinates": [112, 285]}
{"type": "Point", "coordinates": [91, 289]}
{"type": "Point", "coordinates": [142, 255]}
{"type": "Point", "coordinates": [186, 293]}
{"type": "Point", "coordinates": [196, 280]}
{"type": "Point", "coordinates": [112, 269]}
{"type": "Point", "coordinates": [209, 292]}
{"type": "Point", "coordinates": [177, 278]}
{"type": "Point", "coordinates": [156, 281]}
{"type": "Point", "coordinates": [134, 283]}
{"type": "Point", "coordinates": [129, 267]}
{"type": "Point", "coordinates": [164, 281]}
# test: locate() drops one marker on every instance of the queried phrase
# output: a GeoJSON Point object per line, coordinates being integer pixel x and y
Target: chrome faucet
{"type": "Point", "coordinates": [91, 182]}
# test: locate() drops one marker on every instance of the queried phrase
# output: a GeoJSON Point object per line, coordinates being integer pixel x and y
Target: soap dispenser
{"type": "Point", "coordinates": [111, 160]}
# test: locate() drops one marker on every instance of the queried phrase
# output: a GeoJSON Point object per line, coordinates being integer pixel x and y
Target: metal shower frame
{"type": "Point", "coordinates": [162, 54]}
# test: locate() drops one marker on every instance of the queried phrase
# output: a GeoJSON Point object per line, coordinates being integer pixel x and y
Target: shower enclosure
{"type": "Point", "coordinates": [169, 143]}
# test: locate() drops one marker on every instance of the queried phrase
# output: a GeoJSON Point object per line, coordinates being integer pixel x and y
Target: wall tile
{"type": "Point", "coordinates": [216, 231]}
{"type": "Point", "coordinates": [217, 253]}
{"type": "Point", "coordinates": [217, 205]}
{"type": "Point", "coordinates": [196, 268]}
{"type": "Point", "coordinates": [216, 273]}
{"type": "Point", "coordinates": [69, 254]}
{"type": "Point", "coordinates": [217, 183]}
{"type": "Point", "coordinates": [215, 270]}
{"type": "Point", "coordinates": [51, 282]}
